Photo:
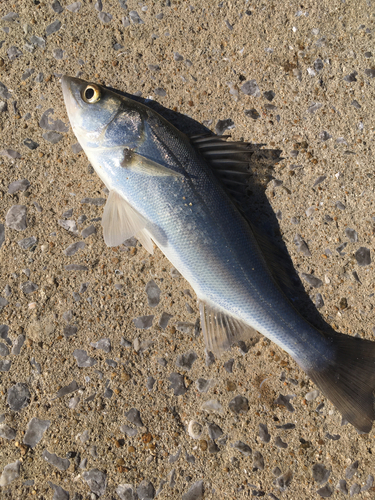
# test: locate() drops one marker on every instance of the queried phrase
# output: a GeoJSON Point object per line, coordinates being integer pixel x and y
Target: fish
{"type": "Point", "coordinates": [179, 193]}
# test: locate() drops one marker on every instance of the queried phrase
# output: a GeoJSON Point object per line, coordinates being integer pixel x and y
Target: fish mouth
{"type": "Point", "coordinates": [71, 88]}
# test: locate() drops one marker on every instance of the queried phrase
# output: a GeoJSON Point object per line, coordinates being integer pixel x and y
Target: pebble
{"type": "Point", "coordinates": [160, 92]}
{"type": "Point", "coordinates": [74, 7]}
{"type": "Point", "coordinates": [76, 267]}
{"type": "Point", "coordinates": [177, 56]}
{"type": "Point", "coordinates": [195, 429]}
{"type": "Point", "coordinates": [280, 443]}
{"type": "Point", "coordinates": [2, 234]}
{"type": "Point", "coordinates": [325, 492]}
{"type": "Point", "coordinates": [16, 218]}
{"type": "Point", "coordinates": [319, 302]}
{"type": "Point", "coordinates": [310, 396]}
{"type": "Point", "coordinates": [28, 287]}
{"type": "Point", "coordinates": [341, 486]}
{"type": "Point", "coordinates": [214, 431]}
{"type": "Point", "coordinates": [351, 470]}
{"type": "Point", "coordinates": [11, 154]}
{"type": "Point", "coordinates": [143, 322]}
{"type": "Point", "coordinates": [134, 417]}
{"type": "Point", "coordinates": [195, 492]}
{"type": "Point", "coordinates": [351, 77]}
{"type": "Point", "coordinates": [69, 331]}
{"type": "Point", "coordinates": [103, 344]}
{"type": "Point", "coordinates": [18, 396]}
{"type": "Point", "coordinates": [369, 483]}
{"type": "Point", "coordinates": [301, 245]}
{"type": "Point", "coordinates": [5, 365]}
{"type": "Point", "coordinates": [258, 460]}
{"type": "Point", "coordinates": [312, 280]}
{"type": "Point", "coordinates": [146, 490]}
{"type": "Point", "coordinates": [67, 389]}
{"type": "Point", "coordinates": [354, 489]}
{"type": "Point", "coordinates": [242, 448]}
{"type": "Point", "coordinates": [47, 123]}
{"type": "Point", "coordinates": [105, 17]}
{"type": "Point", "coordinates": [82, 358]}
{"type": "Point", "coordinates": [210, 358]}
{"type": "Point", "coordinates": [204, 385]}
{"type": "Point", "coordinates": [16, 186]}
{"type": "Point", "coordinates": [73, 248]}
{"type": "Point", "coordinates": [10, 473]}
{"type": "Point", "coordinates": [239, 405]}
{"type": "Point", "coordinates": [88, 231]}
{"type": "Point", "coordinates": [153, 293]}
{"type": "Point", "coordinates": [252, 113]}
{"type": "Point", "coordinates": [370, 72]}
{"type": "Point", "coordinates": [363, 257]}
{"type": "Point", "coordinates": [96, 480]}
{"type": "Point", "coordinates": [150, 383]}
{"type": "Point", "coordinates": [126, 492]}
{"type": "Point", "coordinates": [314, 107]}
{"type": "Point", "coordinates": [223, 125]}
{"type": "Point", "coordinates": [4, 350]}
{"type": "Point", "coordinates": [53, 27]}
{"type": "Point", "coordinates": [186, 360]}
{"type": "Point", "coordinates": [35, 430]}
{"type": "Point", "coordinates": [351, 234]}
{"type": "Point", "coordinates": [58, 462]}
{"type": "Point", "coordinates": [52, 137]}
{"type": "Point", "coordinates": [13, 53]}
{"type": "Point", "coordinates": [251, 88]}
{"type": "Point", "coordinates": [129, 431]}
{"type": "Point", "coordinates": [212, 405]}
{"type": "Point", "coordinates": [164, 319]}
{"type": "Point", "coordinates": [69, 225]}
{"type": "Point", "coordinates": [56, 7]}
{"type": "Point", "coordinates": [177, 384]}
{"type": "Point", "coordinates": [58, 492]}
{"type": "Point", "coordinates": [134, 17]}
{"type": "Point", "coordinates": [27, 242]}
{"type": "Point", "coordinates": [263, 433]}
{"type": "Point", "coordinates": [340, 205]}
{"type": "Point", "coordinates": [7, 432]}
{"type": "Point", "coordinates": [283, 481]}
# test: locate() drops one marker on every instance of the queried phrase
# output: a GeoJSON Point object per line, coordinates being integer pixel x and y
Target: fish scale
{"type": "Point", "coordinates": [164, 191]}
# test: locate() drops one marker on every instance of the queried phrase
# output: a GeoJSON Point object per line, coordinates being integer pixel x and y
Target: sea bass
{"type": "Point", "coordinates": [166, 188]}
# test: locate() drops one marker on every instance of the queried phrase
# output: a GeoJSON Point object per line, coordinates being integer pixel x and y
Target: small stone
{"type": "Point", "coordinates": [16, 186]}
{"type": "Point", "coordinates": [319, 180]}
{"type": "Point", "coordinates": [67, 389]}
{"type": "Point", "coordinates": [56, 7]}
{"type": "Point", "coordinates": [76, 267]}
{"type": "Point", "coordinates": [146, 491]}
{"type": "Point", "coordinates": [18, 396]}
{"type": "Point", "coordinates": [351, 470]}
{"type": "Point", "coordinates": [354, 489]}
{"type": "Point", "coordinates": [28, 287]}
{"type": "Point", "coordinates": [340, 205]}
{"type": "Point", "coordinates": [351, 77]}
{"type": "Point", "coordinates": [203, 385]}
{"type": "Point", "coordinates": [134, 17]}
{"type": "Point", "coordinates": [252, 113]}
{"type": "Point", "coordinates": [35, 430]}
{"type": "Point", "coordinates": [10, 153]}
{"type": "Point", "coordinates": [52, 137]}
{"type": "Point", "coordinates": [228, 366]}
{"type": "Point", "coordinates": [195, 492]}
{"type": "Point", "coordinates": [105, 17]}
{"type": "Point", "coordinates": [325, 492]}
{"type": "Point", "coordinates": [195, 429]}
{"type": "Point", "coordinates": [74, 7]}
{"type": "Point", "coordinates": [58, 492]}
{"type": "Point", "coordinates": [143, 322]}
{"type": "Point", "coordinates": [263, 433]}
{"type": "Point", "coordinates": [153, 67]}
{"type": "Point", "coordinates": [150, 383]}
{"type": "Point", "coordinates": [134, 417]}
{"type": "Point", "coordinates": [10, 473]}
{"type": "Point", "coordinates": [280, 443]}
{"type": "Point", "coordinates": [2, 234]}
{"type": "Point", "coordinates": [370, 72]}
{"type": "Point", "coordinates": [314, 107]}
{"type": "Point", "coordinates": [11, 16]}
{"type": "Point", "coordinates": [126, 492]}
{"type": "Point", "coordinates": [88, 231]}
{"type": "Point", "coordinates": [16, 218]}
{"type": "Point", "coordinates": [186, 360]}
{"type": "Point", "coordinates": [302, 245]}
{"type": "Point", "coordinates": [27, 242]}
{"type": "Point", "coordinates": [369, 483]}
{"type": "Point", "coordinates": [58, 462]}
{"type": "Point", "coordinates": [53, 27]}
{"type": "Point", "coordinates": [258, 461]}
{"type": "Point", "coordinates": [351, 234]}
{"type": "Point", "coordinates": [164, 320]}
{"type": "Point", "coordinates": [251, 88]}
{"type": "Point", "coordinates": [96, 202]}
{"type": "Point", "coordinates": [4, 350]}
{"type": "Point", "coordinates": [76, 148]}
{"type": "Point", "coordinates": [83, 360]}
{"type": "Point", "coordinates": [212, 406]}
{"type": "Point", "coordinates": [324, 136]}
{"type": "Point", "coordinates": [178, 57]}
{"type": "Point", "coordinates": [356, 104]}
{"type": "Point", "coordinates": [185, 327]}
{"type": "Point", "coordinates": [318, 65]}
{"type": "Point", "coordinates": [214, 431]}
{"type": "Point", "coordinates": [69, 225]}
{"type": "Point", "coordinates": [283, 481]}
{"type": "Point", "coordinates": [239, 405]}
{"type": "Point", "coordinates": [177, 384]}
{"type": "Point", "coordinates": [160, 92]}
{"type": "Point", "coordinates": [242, 448]}
{"type": "Point", "coordinates": [310, 396]}
{"type": "Point", "coordinates": [284, 401]}
{"type": "Point", "coordinates": [96, 480]}
{"type": "Point", "coordinates": [223, 125]}
{"type": "Point", "coordinates": [153, 293]}
{"type": "Point", "coordinates": [341, 486]}
{"type": "Point", "coordinates": [103, 344]}
{"type": "Point", "coordinates": [5, 365]}
{"type": "Point", "coordinates": [70, 331]}
{"type": "Point", "coordinates": [129, 431]}
{"type": "Point", "coordinates": [7, 432]}
{"type": "Point", "coordinates": [14, 52]}
{"type": "Point", "coordinates": [362, 256]}
{"type": "Point", "coordinates": [312, 280]}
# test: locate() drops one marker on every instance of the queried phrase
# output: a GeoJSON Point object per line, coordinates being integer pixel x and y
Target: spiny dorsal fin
{"type": "Point", "coordinates": [220, 330]}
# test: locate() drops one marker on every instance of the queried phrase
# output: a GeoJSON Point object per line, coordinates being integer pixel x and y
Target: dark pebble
{"type": "Point", "coordinates": [150, 383]}
{"type": "Point", "coordinates": [83, 360]}
{"type": "Point", "coordinates": [203, 385]}
{"type": "Point", "coordinates": [370, 73]}
{"type": "Point", "coordinates": [56, 7]}
{"type": "Point", "coordinates": [28, 287]}
{"type": "Point", "coordinates": [52, 137]}
{"type": "Point", "coordinates": [177, 384]}
{"type": "Point", "coordinates": [16, 186]}
{"type": "Point", "coordinates": [239, 405]}
{"type": "Point", "coordinates": [30, 144]}
{"type": "Point", "coordinates": [134, 417]}
{"type": "Point", "coordinates": [283, 481]}
{"type": "Point", "coordinates": [96, 480]}
{"type": "Point", "coordinates": [280, 443]}
{"type": "Point", "coordinates": [320, 473]}
{"type": "Point", "coordinates": [341, 487]}
{"type": "Point", "coordinates": [143, 322]}
{"type": "Point", "coordinates": [53, 27]}
{"type": "Point", "coordinates": [264, 434]}
{"type": "Point", "coordinates": [325, 492]}
{"type": "Point", "coordinates": [301, 245]}
{"type": "Point", "coordinates": [242, 448]}
{"type": "Point", "coordinates": [340, 205]}
{"type": "Point", "coordinates": [153, 293]}
{"type": "Point", "coordinates": [251, 88]}
{"type": "Point", "coordinates": [58, 492]}
{"type": "Point", "coordinates": [14, 52]}
{"type": "Point", "coordinates": [258, 461]}
{"type": "Point", "coordinates": [214, 431]}
{"type": "Point", "coordinates": [134, 17]}
{"type": "Point", "coordinates": [67, 389]}
{"type": "Point", "coordinates": [195, 492]}
{"type": "Point", "coordinates": [252, 113]}
{"type": "Point", "coordinates": [186, 360]}
{"type": "Point", "coordinates": [73, 248]}
{"type": "Point", "coordinates": [228, 365]}
{"type": "Point", "coordinates": [312, 280]}
{"type": "Point", "coordinates": [60, 463]}
{"type": "Point", "coordinates": [223, 125]}
{"type": "Point", "coordinates": [18, 343]}
{"type": "Point", "coordinates": [351, 77]}
{"type": "Point", "coordinates": [324, 136]}
{"type": "Point", "coordinates": [35, 430]}
{"type": "Point", "coordinates": [284, 401]}
{"type": "Point", "coordinates": [351, 470]}
{"type": "Point", "coordinates": [351, 235]}
{"type": "Point", "coordinates": [269, 95]}
{"type": "Point", "coordinates": [363, 257]}
{"type": "Point", "coordinates": [2, 234]}
{"type": "Point", "coordinates": [164, 320]}
{"type": "Point", "coordinates": [16, 218]}
{"type": "Point", "coordinates": [145, 490]}
{"type": "Point", "coordinates": [160, 92]}
{"type": "Point", "coordinates": [76, 267]}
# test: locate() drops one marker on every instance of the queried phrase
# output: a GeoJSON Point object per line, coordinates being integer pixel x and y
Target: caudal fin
{"type": "Point", "coordinates": [349, 381]}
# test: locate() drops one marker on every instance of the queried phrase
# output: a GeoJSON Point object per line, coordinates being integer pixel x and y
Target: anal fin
{"type": "Point", "coordinates": [221, 330]}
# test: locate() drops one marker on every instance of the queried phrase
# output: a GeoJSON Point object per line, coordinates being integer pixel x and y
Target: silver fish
{"type": "Point", "coordinates": [167, 189]}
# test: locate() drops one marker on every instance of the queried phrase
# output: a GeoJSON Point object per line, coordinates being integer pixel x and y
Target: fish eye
{"type": "Point", "coordinates": [91, 94]}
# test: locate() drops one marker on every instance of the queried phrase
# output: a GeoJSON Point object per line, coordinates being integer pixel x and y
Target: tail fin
{"type": "Point", "coordinates": [349, 381]}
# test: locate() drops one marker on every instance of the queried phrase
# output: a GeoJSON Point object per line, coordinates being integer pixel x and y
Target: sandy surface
{"type": "Point", "coordinates": [319, 64]}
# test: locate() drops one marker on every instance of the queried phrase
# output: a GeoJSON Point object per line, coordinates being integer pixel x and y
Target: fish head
{"type": "Point", "coordinates": [101, 118]}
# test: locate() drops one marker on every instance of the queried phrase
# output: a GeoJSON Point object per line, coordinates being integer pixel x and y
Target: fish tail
{"type": "Point", "coordinates": [349, 380]}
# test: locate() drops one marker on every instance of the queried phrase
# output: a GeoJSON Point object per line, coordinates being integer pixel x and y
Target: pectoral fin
{"type": "Point", "coordinates": [120, 221]}
{"type": "Point", "coordinates": [143, 165]}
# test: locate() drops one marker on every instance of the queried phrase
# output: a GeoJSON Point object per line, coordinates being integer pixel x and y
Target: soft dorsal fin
{"type": "Point", "coordinates": [220, 330]}
{"type": "Point", "coordinates": [121, 221]}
